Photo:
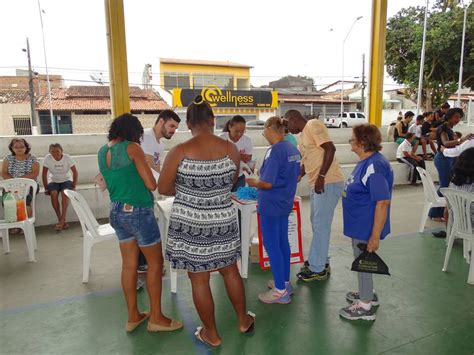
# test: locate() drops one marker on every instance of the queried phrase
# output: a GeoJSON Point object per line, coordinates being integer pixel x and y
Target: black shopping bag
{"type": "Point", "coordinates": [369, 262]}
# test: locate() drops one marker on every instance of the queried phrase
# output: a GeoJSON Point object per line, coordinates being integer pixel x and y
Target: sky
{"type": "Point", "coordinates": [277, 38]}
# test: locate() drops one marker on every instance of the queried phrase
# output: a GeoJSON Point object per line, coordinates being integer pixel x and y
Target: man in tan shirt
{"type": "Point", "coordinates": [327, 183]}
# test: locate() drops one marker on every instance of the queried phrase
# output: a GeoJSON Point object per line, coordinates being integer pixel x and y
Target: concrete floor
{"type": "Point", "coordinates": [46, 309]}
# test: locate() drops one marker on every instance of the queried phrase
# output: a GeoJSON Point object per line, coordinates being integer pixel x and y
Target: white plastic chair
{"type": "Point", "coordinates": [460, 203]}
{"type": "Point", "coordinates": [23, 185]}
{"type": "Point", "coordinates": [431, 196]}
{"type": "Point", "coordinates": [92, 231]}
{"type": "Point", "coordinates": [163, 213]}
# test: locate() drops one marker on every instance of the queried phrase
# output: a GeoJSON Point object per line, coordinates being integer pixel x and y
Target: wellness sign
{"type": "Point", "coordinates": [217, 97]}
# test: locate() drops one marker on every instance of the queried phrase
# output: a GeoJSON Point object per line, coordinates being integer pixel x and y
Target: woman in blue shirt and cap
{"type": "Point", "coordinates": [276, 192]}
{"type": "Point", "coordinates": [366, 212]}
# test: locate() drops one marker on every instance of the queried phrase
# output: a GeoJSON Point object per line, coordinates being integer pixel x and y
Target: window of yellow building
{"type": "Point", "coordinates": [222, 81]}
{"type": "Point", "coordinates": [176, 80]}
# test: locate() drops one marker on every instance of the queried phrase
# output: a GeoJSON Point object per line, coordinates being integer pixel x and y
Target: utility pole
{"type": "Point", "coordinates": [53, 123]}
{"type": "Point", "coordinates": [342, 77]}
{"type": "Point", "coordinates": [422, 62]}
{"type": "Point", "coordinates": [461, 65]}
{"type": "Point", "coordinates": [362, 104]}
{"type": "Point", "coordinates": [33, 120]}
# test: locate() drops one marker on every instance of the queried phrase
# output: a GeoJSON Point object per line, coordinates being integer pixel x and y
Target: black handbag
{"type": "Point", "coordinates": [369, 262]}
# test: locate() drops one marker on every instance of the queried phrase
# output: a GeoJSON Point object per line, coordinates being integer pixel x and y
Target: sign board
{"type": "Point", "coordinates": [295, 237]}
{"type": "Point", "coordinates": [217, 97]}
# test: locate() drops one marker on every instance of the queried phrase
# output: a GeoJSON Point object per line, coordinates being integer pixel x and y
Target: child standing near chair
{"type": "Point", "coordinates": [59, 167]}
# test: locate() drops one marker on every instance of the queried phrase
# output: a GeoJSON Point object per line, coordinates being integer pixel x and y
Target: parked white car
{"type": "Point", "coordinates": [255, 124]}
{"type": "Point", "coordinates": [349, 119]}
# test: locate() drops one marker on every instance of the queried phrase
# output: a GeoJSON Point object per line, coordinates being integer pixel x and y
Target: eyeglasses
{"type": "Point", "coordinates": [19, 147]}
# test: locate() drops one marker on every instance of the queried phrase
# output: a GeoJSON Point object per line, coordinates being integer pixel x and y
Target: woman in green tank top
{"type": "Point", "coordinates": [130, 181]}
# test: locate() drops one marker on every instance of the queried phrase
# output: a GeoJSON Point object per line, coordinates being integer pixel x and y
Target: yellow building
{"type": "Point", "coordinates": [225, 85]}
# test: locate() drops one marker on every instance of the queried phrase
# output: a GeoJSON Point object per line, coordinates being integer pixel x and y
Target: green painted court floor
{"type": "Point", "coordinates": [423, 311]}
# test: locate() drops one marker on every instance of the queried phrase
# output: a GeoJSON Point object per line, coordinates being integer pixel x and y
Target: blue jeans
{"type": "Point", "coordinates": [444, 165]}
{"type": "Point", "coordinates": [275, 241]}
{"type": "Point", "coordinates": [322, 213]}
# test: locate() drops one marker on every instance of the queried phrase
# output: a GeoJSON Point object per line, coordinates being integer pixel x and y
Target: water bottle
{"type": "Point", "coordinates": [9, 205]}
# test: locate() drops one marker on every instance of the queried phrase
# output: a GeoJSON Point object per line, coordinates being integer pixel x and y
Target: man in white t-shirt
{"type": "Point", "coordinates": [57, 168]}
{"type": "Point", "coordinates": [405, 155]}
{"type": "Point", "coordinates": [165, 126]}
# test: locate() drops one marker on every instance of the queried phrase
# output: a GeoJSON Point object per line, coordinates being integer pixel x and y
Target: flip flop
{"type": "Point", "coordinates": [199, 337]}
{"type": "Point", "coordinates": [131, 326]}
{"type": "Point", "coordinates": [251, 328]}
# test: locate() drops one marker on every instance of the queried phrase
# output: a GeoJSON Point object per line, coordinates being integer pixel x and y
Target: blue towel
{"type": "Point", "coordinates": [246, 193]}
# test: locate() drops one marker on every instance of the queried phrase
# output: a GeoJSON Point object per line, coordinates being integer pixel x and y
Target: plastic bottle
{"type": "Point", "coordinates": [21, 214]}
{"type": "Point", "coordinates": [9, 205]}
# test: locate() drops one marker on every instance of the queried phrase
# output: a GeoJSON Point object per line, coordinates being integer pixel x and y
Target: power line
{"type": "Point", "coordinates": [105, 71]}
{"type": "Point", "coordinates": [5, 86]}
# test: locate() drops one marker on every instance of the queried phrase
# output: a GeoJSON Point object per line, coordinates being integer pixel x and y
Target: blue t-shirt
{"type": "Point", "coordinates": [281, 168]}
{"type": "Point", "coordinates": [371, 181]}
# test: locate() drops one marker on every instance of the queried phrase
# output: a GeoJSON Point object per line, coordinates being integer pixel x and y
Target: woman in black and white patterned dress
{"type": "Point", "coordinates": [204, 233]}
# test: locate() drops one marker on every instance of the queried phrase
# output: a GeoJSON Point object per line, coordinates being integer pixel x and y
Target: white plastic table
{"type": "Point", "coordinates": [163, 212]}
{"type": "Point", "coordinates": [246, 208]}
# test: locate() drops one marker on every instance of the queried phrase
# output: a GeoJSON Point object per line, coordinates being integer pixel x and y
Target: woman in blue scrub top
{"type": "Point", "coordinates": [276, 186]}
{"type": "Point", "coordinates": [366, 212]}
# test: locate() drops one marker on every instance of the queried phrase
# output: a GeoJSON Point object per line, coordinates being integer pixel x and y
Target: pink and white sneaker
{"type": "Point", "coordinates": [274, 296]}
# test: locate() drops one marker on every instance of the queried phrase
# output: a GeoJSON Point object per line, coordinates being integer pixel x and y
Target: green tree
{"type": "Point", "coordinates": [442, 52]}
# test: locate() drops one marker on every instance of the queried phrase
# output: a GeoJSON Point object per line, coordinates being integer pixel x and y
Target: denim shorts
{"type": "Point", "coordinates": [139, 224]}
{"type": "Point", "coordinates": [60, 186]}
